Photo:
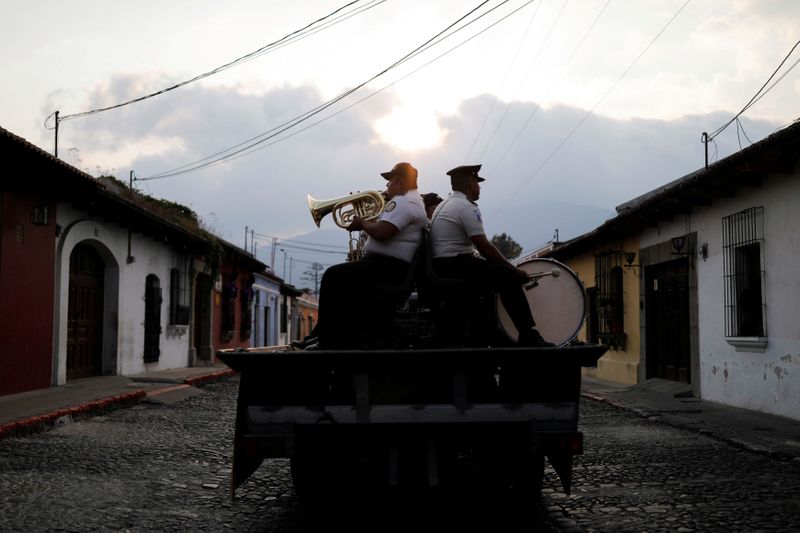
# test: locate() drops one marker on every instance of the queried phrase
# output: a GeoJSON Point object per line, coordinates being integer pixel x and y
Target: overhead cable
{"type": "Point", "coordinates": [536, 109]}
{"type": "Point", "coordinates": [759, 94]}
{"type": "Point", "coordinates": [264, 49]}
{"type": "Point", "coordinates": [274, 132]}
{"type": "Point", "coordinates": [589, 113]}
{"type": "Point", "coordinates": [305, 116]}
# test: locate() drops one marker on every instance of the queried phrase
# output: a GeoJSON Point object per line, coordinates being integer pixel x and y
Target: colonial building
{"type": "Point", "coordinates": [696, 282]}
{"type": "Point", "coordinates": [97, 279]}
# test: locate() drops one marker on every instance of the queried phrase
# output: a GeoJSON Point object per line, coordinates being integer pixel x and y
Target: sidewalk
{"type": "Point", "coordinates": [38, 410]}
{"type": "Point", "coordinates": [668, 402]}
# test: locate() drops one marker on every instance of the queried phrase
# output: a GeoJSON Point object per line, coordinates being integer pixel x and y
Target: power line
{"type": "Point", "coordinates": [547, 93]}
{"type": "Point", "coordinates": [505, 78]}
{"type": "Point", "coordinates": [263, 50]}
{"type": "Point", "coordinates": [332, 115]}
{"type": "Point", "coordinates": [530, 68]}
{"type": "Point", "coordinates": [756, 97]}
{"type": "Point", "coordinates": [278, 239]}
{"type": "Point", "coordinates": [274, 132]}
{"type": "Point", "coordinates": [596, 105]}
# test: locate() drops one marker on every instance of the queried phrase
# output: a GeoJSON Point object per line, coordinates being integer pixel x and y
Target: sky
{"type": "Point", "coordinates": [572, 106]}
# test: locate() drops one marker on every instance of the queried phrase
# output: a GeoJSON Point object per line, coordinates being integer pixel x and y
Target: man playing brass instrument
{"type": "Point", "coordinates": [347, 315]}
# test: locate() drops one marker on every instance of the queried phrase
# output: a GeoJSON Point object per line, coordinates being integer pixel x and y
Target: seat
{"type": "Point", "coordinates": [383, 297]}
{"type": "Point", "coordinates": [459, 307]}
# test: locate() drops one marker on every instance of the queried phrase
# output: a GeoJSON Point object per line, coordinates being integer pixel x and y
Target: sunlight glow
{"type": "Point", "coordinates": [408, 128]}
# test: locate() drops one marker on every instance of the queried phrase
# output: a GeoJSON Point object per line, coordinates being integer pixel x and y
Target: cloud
{"type": "Point", "coordinates": [536, 182]}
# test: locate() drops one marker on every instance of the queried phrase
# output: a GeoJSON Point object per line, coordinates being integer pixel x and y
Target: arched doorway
{"type": "Point", "coordinates": [85, 313]}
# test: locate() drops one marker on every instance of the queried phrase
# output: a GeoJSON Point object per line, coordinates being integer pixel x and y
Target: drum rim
{"type": "Point", "coordinates": [584, 303]}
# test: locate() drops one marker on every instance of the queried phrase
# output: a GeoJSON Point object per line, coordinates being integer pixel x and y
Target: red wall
{"type": "Point", "coordinates": [220, 341]}
{"type": "Point", "coordinates": [27, 281]}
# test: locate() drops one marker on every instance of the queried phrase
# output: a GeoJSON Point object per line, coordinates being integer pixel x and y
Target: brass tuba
{"type": "Point", "coordinates": [367, 205]}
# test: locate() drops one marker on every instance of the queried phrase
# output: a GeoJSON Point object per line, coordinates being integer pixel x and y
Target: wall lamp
{"type": "Point", "coordinates": [629, 258]}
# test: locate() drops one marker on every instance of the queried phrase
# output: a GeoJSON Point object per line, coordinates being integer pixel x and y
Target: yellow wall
{"type": "Point", "coordinates": [616, 365]}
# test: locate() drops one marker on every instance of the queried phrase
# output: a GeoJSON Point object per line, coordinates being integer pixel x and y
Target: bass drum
{"type": "Point", "coordinates": [558, 303]}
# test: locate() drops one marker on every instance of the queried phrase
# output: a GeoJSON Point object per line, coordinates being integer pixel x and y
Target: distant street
{"type": "Point", "coordinates": [165, 468]}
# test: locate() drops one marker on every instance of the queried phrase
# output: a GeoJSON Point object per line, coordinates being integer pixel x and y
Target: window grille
{"type": "Point", "coordinates": [179, 291]}
{"type": "Point", "coordinates": [743, 271]}
{"type": "Point", "coordinates": [608, 301]}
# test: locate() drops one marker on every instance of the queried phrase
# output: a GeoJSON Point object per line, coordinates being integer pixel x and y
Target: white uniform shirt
{"type": "Point", "coordinates": [407, 214]}
{"type": "Point", "coordinates": [453, 223]}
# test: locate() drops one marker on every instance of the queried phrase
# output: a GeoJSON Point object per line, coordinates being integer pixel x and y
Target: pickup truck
{"type": "Point", "coordinates": [410, 419]}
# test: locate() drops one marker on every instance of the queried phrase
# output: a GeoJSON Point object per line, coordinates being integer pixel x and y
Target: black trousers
{"type": "Point", "coordinates": [493, 277]}
{"type": "Point", "coordinates": [349, 313]}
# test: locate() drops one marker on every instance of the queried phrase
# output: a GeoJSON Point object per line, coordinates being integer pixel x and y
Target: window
{"type": "Point", "coordinates": [178, 292]}
{"type": "Point", "coordinates": [743, 264]}
{"type": "Point", "coordinates": [608, 299]}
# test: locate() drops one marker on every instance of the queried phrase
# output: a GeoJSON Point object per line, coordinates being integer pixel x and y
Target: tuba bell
{"type": "Point", "coordinates": [367, 205]}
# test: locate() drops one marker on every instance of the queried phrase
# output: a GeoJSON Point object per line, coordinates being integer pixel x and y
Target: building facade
{"type": "Point", "coordinates": [97, 279]}
{"type": "Point", "coordinates": [704, 268]}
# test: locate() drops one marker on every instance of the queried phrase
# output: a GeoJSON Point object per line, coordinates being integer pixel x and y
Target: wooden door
{"type": "Point", "coordinates": [667, 321]}
{"type": "Point", "coordinates": [85, 316]}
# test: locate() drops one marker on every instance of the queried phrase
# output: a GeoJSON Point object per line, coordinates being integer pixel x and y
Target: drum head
{"type": "Point", "coordinates": [558, 304]}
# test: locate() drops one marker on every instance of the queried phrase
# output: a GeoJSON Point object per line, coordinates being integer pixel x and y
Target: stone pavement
{"type": "Point", "coordinates": [39, 410]}
{"type": "Point", "coordinates": [671, 403]}
{"type": "Point", "coordinates": [660, 400]}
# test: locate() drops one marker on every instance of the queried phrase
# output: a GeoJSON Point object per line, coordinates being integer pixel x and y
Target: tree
{"type": "Point", "coordinates": [313, 275]}
{"type": "Point", "coordinates": [507, 246]}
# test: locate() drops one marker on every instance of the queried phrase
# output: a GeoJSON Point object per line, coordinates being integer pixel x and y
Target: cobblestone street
{"type": "Point", "coordinates": [639, 475]}
{"type": "Point", "coordinates": [166, 467]}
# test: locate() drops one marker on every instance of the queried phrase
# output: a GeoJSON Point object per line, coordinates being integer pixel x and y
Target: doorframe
{"type": "Point", "coordinates": [85, 231]}
{"type": "Point", "coordinates": [662, 253]}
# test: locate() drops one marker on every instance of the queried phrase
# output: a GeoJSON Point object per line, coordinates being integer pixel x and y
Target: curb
{"type": "Point", "coordinates": [210, 378]}
{"type": "Point", "coordinates": [60, 417]}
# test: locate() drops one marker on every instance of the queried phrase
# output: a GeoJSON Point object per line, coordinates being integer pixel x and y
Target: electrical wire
{"type": "Point", "coordinates": [263, 137]}
{"type": "Point", "coordinates": [524, 79]}
{"type": "Point", "coordinates": [589, 113]}
{"type": "Point", "coordinates": [535, 110]}
{"type": "Point", "coordinates": [505, 78]}
{"type": "Point", "coordinates": [756, 97]}
{"type": "Point", "coordinates": [261, 51]}
{"type": "Point", "coordinates": [190, 167]}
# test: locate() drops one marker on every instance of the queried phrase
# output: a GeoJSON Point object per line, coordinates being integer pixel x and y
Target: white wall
{"type": "Point", "coordinates": [125, 313]}
{"type": "Point", "coordinates": [269, 299]}
{"type": "Point", "coordinates": [768, 380]}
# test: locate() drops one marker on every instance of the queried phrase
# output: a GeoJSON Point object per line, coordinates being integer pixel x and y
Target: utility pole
{"type": "Point", "coordinates": [56, 148]}
{"type": "Point", "coordinates": [246, 231]}
{"type": "Point", "coordinates": [272, 259]}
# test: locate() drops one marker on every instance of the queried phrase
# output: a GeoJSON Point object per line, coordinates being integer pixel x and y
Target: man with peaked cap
{"type": "Point", "coordinates": [457, 236]}
{"type": "Point", "coordinates": [392, 240]}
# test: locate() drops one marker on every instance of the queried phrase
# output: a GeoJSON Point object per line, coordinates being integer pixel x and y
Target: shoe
{"type": "Point", "coordinates": [533, 339]}
{"type": "Point", "coordinates": [311, 347]}
{"type": "Point", "coordinates": [303, 344]}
